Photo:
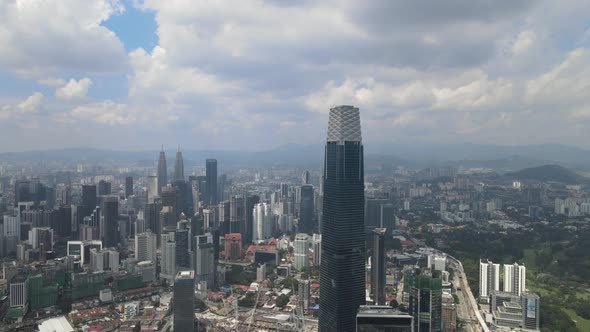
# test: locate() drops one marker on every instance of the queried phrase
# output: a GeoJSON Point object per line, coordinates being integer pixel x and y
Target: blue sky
{"type": "Point", "coordinates": [257, 74]}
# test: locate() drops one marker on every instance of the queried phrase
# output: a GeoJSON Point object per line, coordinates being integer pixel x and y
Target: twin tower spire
{"type": "Point", "coordinates": [163, 168]}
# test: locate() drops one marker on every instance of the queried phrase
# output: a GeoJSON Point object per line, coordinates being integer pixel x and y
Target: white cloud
{"type": "Point", "coordinates": [250, 70]}
{"type": "Point", "coordinates": [40, 37]}
{"type": "Point", "coordinates": [31, 104]}
{"type": "Point", "coordinates": [74, 89]}
{"type": "Point", "coordinates": [53, 82]}
{"type": "Point", "coordinates": [105, 113]}
{"type": "Point", "coordinates": [524, 41]}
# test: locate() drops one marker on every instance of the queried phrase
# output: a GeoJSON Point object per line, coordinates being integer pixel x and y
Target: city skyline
{"type": "Point", "coordinates": [425, 72]}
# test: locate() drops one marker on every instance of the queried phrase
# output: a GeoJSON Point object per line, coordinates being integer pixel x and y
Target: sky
{"type": "Point", "coordinates": [252, 75]}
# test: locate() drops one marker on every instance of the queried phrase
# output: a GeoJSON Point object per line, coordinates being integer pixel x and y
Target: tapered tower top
{"type": "Point", "coordinates": [344, 124]}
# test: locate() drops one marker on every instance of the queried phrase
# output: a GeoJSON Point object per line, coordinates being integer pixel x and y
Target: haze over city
{"type": "Point", "coordinates": [304, 166]}
{"type": "Point", "coordinates": [131, 75]}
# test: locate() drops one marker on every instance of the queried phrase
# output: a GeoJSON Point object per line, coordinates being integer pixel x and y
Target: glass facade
{"type": "Point", "coordinates": [342, 272]}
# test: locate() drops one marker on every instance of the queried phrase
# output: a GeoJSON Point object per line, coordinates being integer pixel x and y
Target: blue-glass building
{"type": "Point", "coordinates": [342, 272]}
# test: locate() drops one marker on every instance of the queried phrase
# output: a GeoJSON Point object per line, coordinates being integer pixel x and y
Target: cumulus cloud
{"type": "Point", "coordinates": [53, 82]}
{"type": "Point", "coordinates": [37, 37]}
{"type": "Point", "coordinates": [105, 113]}
{"type": "Point", "coordinates": [31, 104]}
{"type": "Point", "coordinates": [445, 71]}
{"type": "Point", "coordinates": [74, 89]}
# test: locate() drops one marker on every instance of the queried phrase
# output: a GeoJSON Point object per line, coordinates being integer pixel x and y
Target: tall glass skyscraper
{"type": "Point", "coordinates": [184, 301]}
{"type": "Point", "coordinates": [162, 171]}
{"type": "Point", "coordinates": [342, 273]}
{"type": "Point", "coordinates": [306, 224]}
{"type": "Point", "coordinates": [179, 166]}
{"type": "Point", "coordinates": [211, 174]}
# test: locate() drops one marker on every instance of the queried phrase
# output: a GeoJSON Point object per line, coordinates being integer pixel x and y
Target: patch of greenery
{"type": "Point", "coordinates": [282, 301]}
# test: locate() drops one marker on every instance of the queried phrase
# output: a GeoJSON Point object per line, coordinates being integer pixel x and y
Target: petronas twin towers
{"type": "Point", "coordinates": [163, 169]}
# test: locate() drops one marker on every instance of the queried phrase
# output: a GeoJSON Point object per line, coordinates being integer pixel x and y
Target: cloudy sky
{"type": "Point", "coordinates": [258, 74]}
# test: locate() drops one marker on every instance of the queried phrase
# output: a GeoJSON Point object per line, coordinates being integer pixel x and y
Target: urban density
{"type": "Point", "coordinates": [350, 246]}
{"type": "Point", "coordinates": [305, 166]}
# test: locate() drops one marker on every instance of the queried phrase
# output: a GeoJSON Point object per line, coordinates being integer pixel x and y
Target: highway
{"type": "Point", "coordinates": [471, 318]}
{"type": "Point", "coordinates": [467, 295]}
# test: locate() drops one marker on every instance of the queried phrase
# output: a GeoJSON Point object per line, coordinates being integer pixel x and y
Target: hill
{"type": "Point", "coordinates": [546, 173]}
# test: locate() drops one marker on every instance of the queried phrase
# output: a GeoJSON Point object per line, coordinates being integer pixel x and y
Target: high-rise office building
{"type": "Point", "coordinates": [221, 184]}
{"type": "Point", "coordinates": [88, 199]}
{"type": "Point", "coordinates": [109, 221]}
{"type": "Point", "coordinates": [306, 177]}
{"type": "Point", "coordinates": [169, 197]}
{"type": "Point", "coordinates": [41, 238]}
{"type": "Point", "coordinates": [152, 219]}
{"type": "Point", "coordinates": [63, 226]}
{"type": "Point", "coordinates": [381, 318]}
{"type": "Point", "coordinates": [145, 246]}
{"type": "Point", "coordinates": [211, 174]}
{"type": "Point", "coordinates": [306, 224]}
{"type": "Point", "coordinates": [316, 247]}
{"type": "Point", "coordinates": [262, 220]}
{"type": "Point", "coordinates": [223, 215]}
{"type": "Point", "coordinates": [162, 171]}
{"type": "Point", "coordinates": [342, 272]}
{"type": "Point", "coordinates": [301, 250]}
{"type": "Point", "coordinates": [489, 278]}
{"type": "Point", "coordinates": [184, 301]}
{"type": "Point", "coordinates": [233, 246]}
{"type": "Point", "coordinates": [204, 256]}
{"type": "Point", "coordinates": [237, 215]}
{"type": "Point", "coordinates": [181, 237]}
{"type": "Point", "coordinates": [104, 188]}
{"type": "Point", "coordinates": [128, 187]}
{"type": "Point", "coordinates": [179, 166]}
{"type": "Point", "coordinates": [378, 266]}
{"type": "Point", "coordinates": [168, 256]}
{"type": "Point", "coordinates": [202, 188]}
{"type": "Point", "coordinates": [251, 201]}
{"type": "Point", "coordinates": [426, 303]}
{"type": "Point", "coordinates": [153, 190]}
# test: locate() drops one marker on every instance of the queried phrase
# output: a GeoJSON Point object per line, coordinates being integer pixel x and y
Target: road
{"type": "Point", "coordinates": [472, 318]}
{"type": "Point", "coordinates": [168, 324]}
{"type": "Point", "coordinates": [468, 295]}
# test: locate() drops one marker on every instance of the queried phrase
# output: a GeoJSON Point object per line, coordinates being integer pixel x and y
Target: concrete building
{"type": "Point", "coordinates": [261, 222]}
{"type": "Point", "coordinates": [378, 266]}
{"type": "Point", "coordinates": [316, 247]}
{"type": "Point", "coordinates": [184, 301]}
{"type": "Point", "coordinates": [514, 278]}
{"type": "Point", "coordinates": [41, 238]}
{"type": "Point", "coordinates": [489, 278]}
{"type": "Point", "coordinates": [373, 318]}
{"type": "Point", "coordinates": [145, 246]}
{"type": "Point", "coordinates": [19, 292]}
{"type": "Point", "coordinates": [233, 246]}
{"type": "Point", "coordinates": [301, 250]}
{"type": "Point", "coordinates": [514, 311]}
{"type": "Point", "coordinates": [426, 303]}
{"type": "Point", "coordinates": [168, 268]}
{"type": "Point", "coordinates": [449, 317]}
{"type": "Point", "coordinates": [204, 264]}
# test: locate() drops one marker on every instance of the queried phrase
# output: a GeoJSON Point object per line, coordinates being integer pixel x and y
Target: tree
{"type": "Point", "coordinates": [200, 305]}
{"type": "Point", "coordinates": [282, 300]}
{"type": "Point", "coordinates": [247, 301]}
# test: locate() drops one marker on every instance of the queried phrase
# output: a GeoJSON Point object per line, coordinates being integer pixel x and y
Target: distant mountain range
{"type": "Point", "coordinates": [548, 173]}
{"type": "Point", "coordinates": [500, 158]}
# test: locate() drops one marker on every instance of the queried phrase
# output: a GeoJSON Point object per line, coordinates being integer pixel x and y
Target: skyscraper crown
{"type": "Point", "coordinates": [344, 124]}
